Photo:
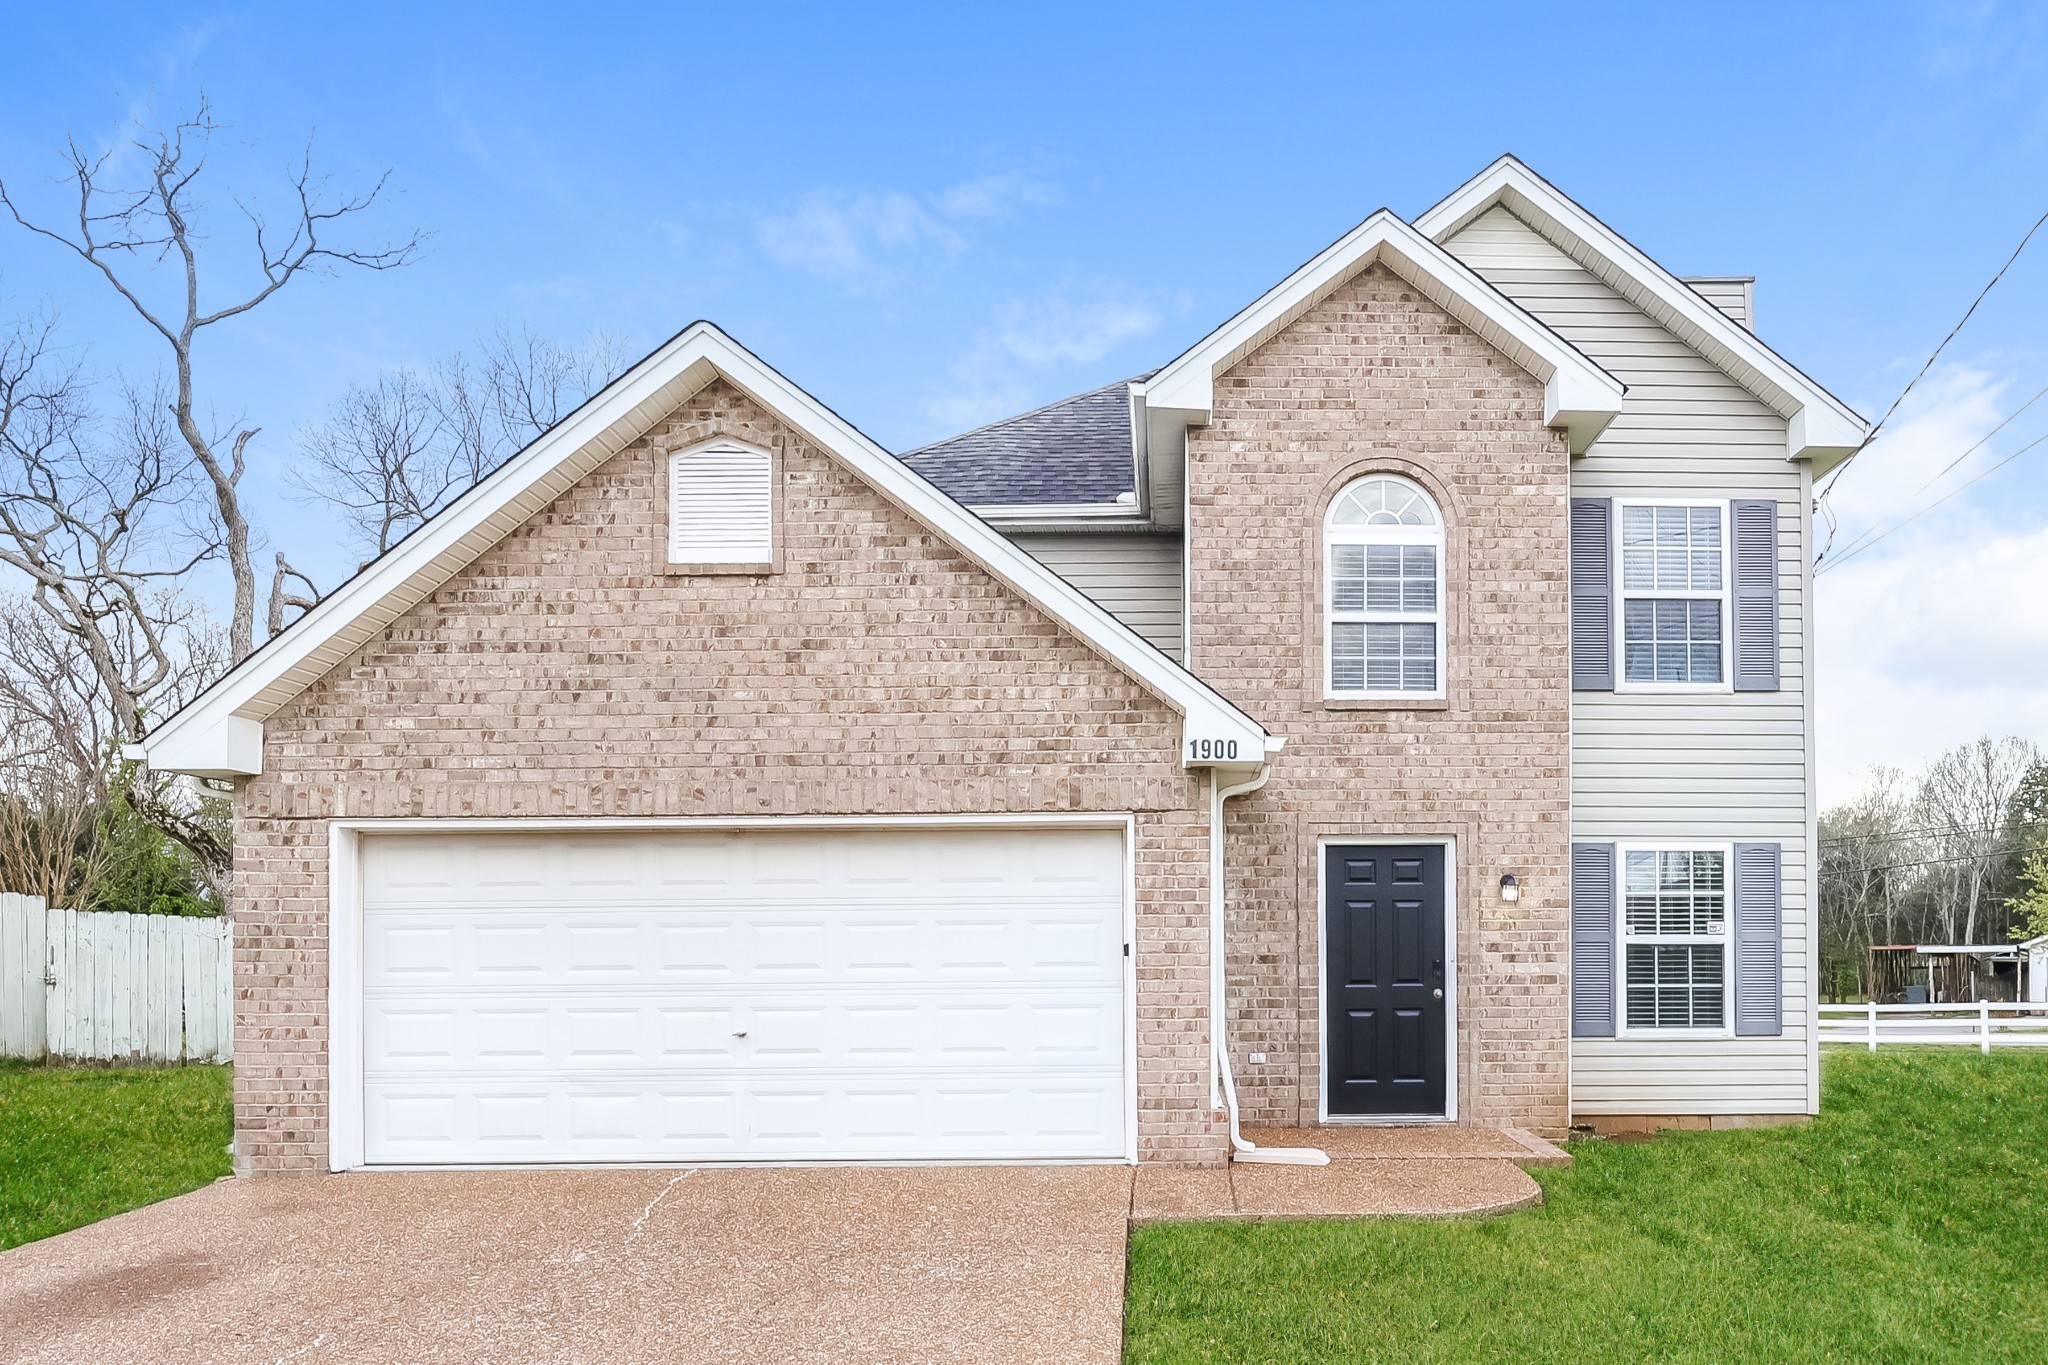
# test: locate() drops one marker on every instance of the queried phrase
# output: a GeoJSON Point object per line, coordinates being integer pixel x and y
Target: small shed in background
{"type": "Point", "coordinates": [1953, 973]}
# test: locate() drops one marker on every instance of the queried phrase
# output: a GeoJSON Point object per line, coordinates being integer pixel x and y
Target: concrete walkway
{"type": "Point", "coordinates": [988, 1264]}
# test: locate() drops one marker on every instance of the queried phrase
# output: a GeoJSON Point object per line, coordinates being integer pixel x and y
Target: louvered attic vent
{"type": "Point", "coordinates": [720, 506]}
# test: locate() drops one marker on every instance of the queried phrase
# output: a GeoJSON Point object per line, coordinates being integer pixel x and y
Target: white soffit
{"type": "Point", "coordinates": [1578, 395]}
{"type": "Point", "coordinates": [1820, 427]}
{"type": "Point", "coordinates": [219, 733]}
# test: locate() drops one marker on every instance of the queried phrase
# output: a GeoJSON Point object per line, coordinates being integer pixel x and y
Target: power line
{"type": "Point", "coordinates": [1968, 313]}
{"type": "Point", "coordinates": [1920, 831]}
{"type": "Point", "coordinates": [1937, 862]}
{"type": "Point", "coordinates": [1846, 550]}
{"type": "Point", "coordinates": [1900, 525]}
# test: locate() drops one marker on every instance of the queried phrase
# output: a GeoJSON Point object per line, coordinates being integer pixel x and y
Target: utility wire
{"type": "Point", "coordinates": [1920, 831]}
{"type": "Point", "coordinates": [1968, 313]}
{"type": "Point", "coordinates": [1865, 535]}
{"type": "Point", "coordinates": [1934, 862]}
{"type": "Point", "coordinates": [1845, 558]}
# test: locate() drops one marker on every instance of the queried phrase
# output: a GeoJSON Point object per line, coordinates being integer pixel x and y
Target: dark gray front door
{"type": "Point", "coordinates": [1383, 993]}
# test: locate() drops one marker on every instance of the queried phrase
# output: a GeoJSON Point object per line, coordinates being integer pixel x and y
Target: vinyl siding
{"type": "Point", "coordinates": [1731, 294]}
{"type": "Point", "coordinates": [1135, 577]}
{"type": "Point", "coordinates": [1718, 767]}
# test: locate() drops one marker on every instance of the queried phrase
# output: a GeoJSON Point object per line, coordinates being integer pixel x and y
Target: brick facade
{"type": "Point", "coordinates": [1377, 378]}
{"type": "Point", "coordinates": [565, 674]}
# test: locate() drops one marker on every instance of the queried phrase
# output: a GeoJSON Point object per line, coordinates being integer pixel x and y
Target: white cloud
{"type": "Point", "coordinates": [866, 242]}
{"type": "Point", "coordinates": [1000, 373]}
{"type": "Point", "coordinates": [993, 196]}
{"type": "Point", "coordinates": [1937, 634]}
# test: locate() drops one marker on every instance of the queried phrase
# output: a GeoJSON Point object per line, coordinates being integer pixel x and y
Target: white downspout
{"type": "Point", "coordinates": [1222, 1084]}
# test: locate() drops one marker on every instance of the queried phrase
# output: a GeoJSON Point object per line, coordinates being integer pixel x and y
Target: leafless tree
{"type": "Point", "coordinates": [123, 231]}
{"type": "Point", "coordinates": [1966, 801]}
{"type": "Point", "coordinates": [104, 518]}
{"type": "Point", "coordinates": [395, 451]}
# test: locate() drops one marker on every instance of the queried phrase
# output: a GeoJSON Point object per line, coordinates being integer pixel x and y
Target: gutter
{"type": "Point", "coordinates": [1222, 1083]}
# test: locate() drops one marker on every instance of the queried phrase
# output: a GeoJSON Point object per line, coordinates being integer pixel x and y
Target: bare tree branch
{"type": "Point", "coordinates": [120, 229]}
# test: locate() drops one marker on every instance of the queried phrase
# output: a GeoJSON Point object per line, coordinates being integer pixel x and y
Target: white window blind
{"type": "Point", "coordinates": [1674, 587]}
{"type": "Point", "coordinates": [1675, 938]}
{"type": "Point", "coordinates": [719, 507]}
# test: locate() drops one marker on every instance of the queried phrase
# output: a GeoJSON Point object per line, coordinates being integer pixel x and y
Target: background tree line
{"type": "Point", "coordinates": [131, 572]}
{"type": "Point", "coordinates": [1958, 854]}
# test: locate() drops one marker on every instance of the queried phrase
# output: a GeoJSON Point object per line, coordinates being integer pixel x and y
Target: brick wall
{"type": "Point", "coordinates": [563, 674]}
{"type": "Point", "coordinates": [1376, 378]}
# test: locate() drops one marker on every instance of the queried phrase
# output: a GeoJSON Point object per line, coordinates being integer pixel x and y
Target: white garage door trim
{"type": "Point", "coordinates": [345, 1107]}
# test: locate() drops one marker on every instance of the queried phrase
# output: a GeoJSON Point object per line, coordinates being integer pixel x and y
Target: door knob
{"type": "Point", "coordinates": [743, 1033]}
{"type": "Point", "coordinates": [1438, 992]}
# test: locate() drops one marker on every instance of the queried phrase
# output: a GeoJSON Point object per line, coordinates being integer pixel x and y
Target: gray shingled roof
{"type": "Point", "coordinates": [1077, 450]}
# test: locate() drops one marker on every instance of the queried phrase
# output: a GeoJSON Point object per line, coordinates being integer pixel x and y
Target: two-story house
{"type": "Point", "coordinates": [1395, 708]}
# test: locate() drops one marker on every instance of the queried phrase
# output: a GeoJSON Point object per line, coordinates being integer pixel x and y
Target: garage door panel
{"type": "Point", "coordinates": [768, 995]}
{"type": "Point", "coordinates": [816, 1117]}
{"type": "Point", "coordinates": [568, 944]}
{"type": "Point", "coordinates": [511, 1032]}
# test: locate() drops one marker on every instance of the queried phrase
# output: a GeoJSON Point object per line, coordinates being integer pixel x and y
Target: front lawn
{"type": "Point", "coordinates": [78, 1144]}
{"type": "Point", "coordinates": [1909, 1222]}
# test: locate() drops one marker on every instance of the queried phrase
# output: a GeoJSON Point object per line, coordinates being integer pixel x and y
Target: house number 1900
{"type": "Point", "coordinates": [1211, 749]}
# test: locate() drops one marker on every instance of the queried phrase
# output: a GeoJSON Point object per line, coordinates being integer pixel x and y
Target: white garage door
{"type": "Point", "coordinates": [834, 994]}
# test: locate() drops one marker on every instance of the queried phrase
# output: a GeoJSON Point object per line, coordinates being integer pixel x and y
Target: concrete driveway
{"type": "Point", "coordinates": [906, 1264]}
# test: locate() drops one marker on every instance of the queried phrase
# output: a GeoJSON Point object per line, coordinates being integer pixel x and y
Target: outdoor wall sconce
{"type": "Point", "coordinates": [1510, 889]}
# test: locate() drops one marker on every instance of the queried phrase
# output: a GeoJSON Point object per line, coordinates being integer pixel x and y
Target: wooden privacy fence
{"type": "Point", "coordinates": [1983, 1024]}
{"type": "Point", "coordinates": [85, 985]}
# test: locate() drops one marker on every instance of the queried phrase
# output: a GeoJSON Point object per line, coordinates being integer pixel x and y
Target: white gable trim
{"type": "Point", "coordinates": [1820, 427]}
{"type": "Point", "coordinates": [219, 734]}
{"type": "Point", "coordinates": [1578, 395]}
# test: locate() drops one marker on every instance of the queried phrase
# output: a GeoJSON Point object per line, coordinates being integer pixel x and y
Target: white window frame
{"type": "Point", "coordinates": [1622, 597]}
{"type": "Point", "coordinates": [1432, 536]}
{"type": "Point", "coordinates": [1624, 939]}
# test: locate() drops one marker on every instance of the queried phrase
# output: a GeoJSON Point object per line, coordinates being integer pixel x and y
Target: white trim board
{"type": "Point", "coordinates": [346, 1137]}
{"type": "Point", "coordinates": [220, 733]}
{"type": "Point", "coordinates": [1819, 426]}
{"type": "Point", "coordinates": [1578, 396]}
{"type": "Point", "coordinates": [1449, 845]}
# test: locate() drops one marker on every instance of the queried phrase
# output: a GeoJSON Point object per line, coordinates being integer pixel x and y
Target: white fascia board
{"type": "Point", "coordinates": [1578, 396]}
{"type": "Point", "coordinates": [220, 732]}
{"type": "Point", "coordinates": [1819, 426]}
{"type": "Point", "coordinates": [1050, 511]}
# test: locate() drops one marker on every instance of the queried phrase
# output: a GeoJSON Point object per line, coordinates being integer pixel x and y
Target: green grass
{"type": "Point", "coordinates": [1909, 1222]}
{"type": "Point", "coordinates": [78, 1144]}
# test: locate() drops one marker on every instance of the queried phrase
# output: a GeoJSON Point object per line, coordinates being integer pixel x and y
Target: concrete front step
{"type": "Point", "coordinates": [1387, 1187]}
{"type": "Point", "coordinates": [1416, 1142]}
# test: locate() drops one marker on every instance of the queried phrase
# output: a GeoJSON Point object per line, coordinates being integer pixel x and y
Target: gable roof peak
{"type": "Point", "coordinates": [1578, 396]}
{"type": "Point", "coordinates": [1819, 426]}
{"type": "Point", "coordinates": [220, 732]}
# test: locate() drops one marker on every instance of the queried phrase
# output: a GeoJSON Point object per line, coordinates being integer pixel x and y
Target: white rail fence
{"type": "Point", "coordinates": [83, 985]}
{"type": "Point", "coordinates": [1984, 1024]}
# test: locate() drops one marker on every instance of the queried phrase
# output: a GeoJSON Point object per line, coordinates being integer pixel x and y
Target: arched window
{"type": "Point", "coordinates": [1383, 547]}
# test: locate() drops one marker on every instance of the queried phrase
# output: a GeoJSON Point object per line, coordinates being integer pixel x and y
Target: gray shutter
{"type": "Point", "coordinates": [1759, 941]}
{"type": "Point", "coordinates": [1592, 594]}
{"type": "Point", "coordinates": [1755, 541]}
{"type": "Point", "coordinates": [1593, 935]}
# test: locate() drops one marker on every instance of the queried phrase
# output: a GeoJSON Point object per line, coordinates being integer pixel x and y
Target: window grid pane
{"type": "Point", "coordinates": [1674, 985]}
{"type": "Point", "coordinates": [1675, 891]}
{"type": "Point", "coordinates": [1671, 640]}
{"type": "Point", "coordinates": [1398, 578]}
{"type": "Point", "coordinates": [1347, 656]}
{"type": "Point", "coordinates": [1347, 577]}
{"type": "Point", "coordinates": [1399, 657]}
{"type": "Point", "coordinates": [1671, 549]}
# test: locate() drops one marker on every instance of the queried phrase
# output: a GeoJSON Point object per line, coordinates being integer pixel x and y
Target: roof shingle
{"type": "Point", "coordinates": [1077, 450]}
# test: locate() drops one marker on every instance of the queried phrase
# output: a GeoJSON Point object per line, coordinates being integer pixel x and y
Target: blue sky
{"type": "Point", "coordinates": [931, 216]}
